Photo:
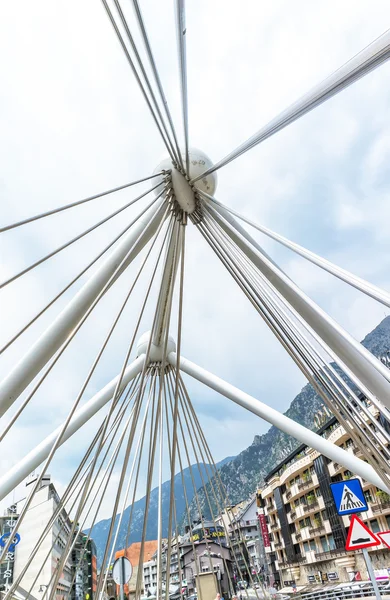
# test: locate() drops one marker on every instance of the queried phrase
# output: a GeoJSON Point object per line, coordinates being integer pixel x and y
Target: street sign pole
{"type": "Point", "coordinates": [371, 573]}
{"type": "Point", "coordinates": [122, 580]}
{"type": "Point", "coordinates": [121, 574]}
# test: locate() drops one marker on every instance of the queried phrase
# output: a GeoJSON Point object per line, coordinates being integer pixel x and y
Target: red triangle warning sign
{"type": "Point", "coordinates": [359, 536]}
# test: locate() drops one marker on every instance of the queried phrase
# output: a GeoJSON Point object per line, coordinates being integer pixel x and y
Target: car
{"type": "Point", "coordinates": [192, 597]}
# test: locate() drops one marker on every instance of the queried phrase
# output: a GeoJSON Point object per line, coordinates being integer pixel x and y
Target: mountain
{"type": "Point", "coordinates": [100, 529]}
{"type": "Point", "coordinates": [242, 475]}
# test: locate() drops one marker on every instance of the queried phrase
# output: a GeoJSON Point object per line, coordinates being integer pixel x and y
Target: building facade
{"type": "Point", "coordinates": [247, 546]}
{"type": "Point", "coordinates": [307, 536]}
{"type": "Point", "coordinates": [84, 568]}
{"type": "Point", "coordinates": [39, 574]}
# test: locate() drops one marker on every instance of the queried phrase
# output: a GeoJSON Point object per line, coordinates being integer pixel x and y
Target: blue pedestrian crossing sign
{"type": "Point", "coordinates": [348, 496]}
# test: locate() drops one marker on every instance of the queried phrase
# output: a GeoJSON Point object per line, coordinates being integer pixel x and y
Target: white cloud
{"type": "Point", "coordinates": [74, 122]}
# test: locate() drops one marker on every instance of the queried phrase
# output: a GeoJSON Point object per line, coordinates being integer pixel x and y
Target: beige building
{"type": "Point", "coordinates": [307, 535]}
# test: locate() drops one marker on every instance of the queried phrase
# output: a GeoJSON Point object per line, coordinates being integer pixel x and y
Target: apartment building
{"type": "Point", "coordinates": [246, 543]}
{"type": "Point", "coordinates": [38, 577]}
{"type": "Point", "coordinates": [307, 536]}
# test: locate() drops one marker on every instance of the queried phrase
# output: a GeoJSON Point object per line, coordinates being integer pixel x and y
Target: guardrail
{"type": "Point", "coordinates": [351, 591]}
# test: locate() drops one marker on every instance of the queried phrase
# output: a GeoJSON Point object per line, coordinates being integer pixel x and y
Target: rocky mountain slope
{"type": "Point", "coordinates": [243, 474]}
{"type": "Point", "coordinates": [100, 530]}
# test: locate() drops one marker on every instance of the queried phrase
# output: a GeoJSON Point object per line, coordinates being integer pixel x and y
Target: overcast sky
{"type": "Point", "coordinates": [73, 123]}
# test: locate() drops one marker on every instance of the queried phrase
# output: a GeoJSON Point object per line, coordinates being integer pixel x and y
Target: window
{"type": "Point", "coordinates": [308, 522]}
{"type": "Point", "coordinates": [318, 492]}
{"type": "Point", "coordinates": [332, 545]}
{"type": "Point", "coordinates": [324, 544]}
{"type": "Point", "coordinates": [374, 526]}
{"type": "Point", "coordinates": [306, 546]}
{"type": "Point", "coordinates": [313, 546]}
{"type": "Point", "coordinates": [301, 524]}
{"type": "Point", "coordinates": [348, 443]}
{"type": "Point", "coordinates": [388, 521]}
{"type": "Point", "coordinates": [367, 496]}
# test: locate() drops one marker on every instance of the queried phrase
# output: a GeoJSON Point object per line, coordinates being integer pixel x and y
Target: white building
{"type": "Point", "coordinates": [41, 510]}
{"type": "Point", "coordinates": [246, 541]}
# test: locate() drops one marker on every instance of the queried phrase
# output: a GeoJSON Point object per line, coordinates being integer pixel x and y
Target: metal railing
{"type": "Point", "coordinates": [305, 483]}
{"type": "Point", "coordinates": [351, 591]}
{"type": "Point", "coordinates": [330, 553]}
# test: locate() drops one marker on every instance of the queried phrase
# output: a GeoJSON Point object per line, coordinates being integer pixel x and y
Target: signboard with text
{"type": "Point", "coordinates": [264, 531]}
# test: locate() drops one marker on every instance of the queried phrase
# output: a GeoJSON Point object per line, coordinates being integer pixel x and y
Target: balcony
{"type": "Point", "coordinates": [317, 530]}
{"type": "Point", "coordinates": [279, 545]}
{"type": "Point", "coordinates": [377, 508]}
{"type": "Point", "coordinates": [293, 515]}
{"type": "Point", "coordinates": [312, 506]}
{"type": "Point", "coordinates": [297, 560]}
{"type": "Point", "coordinates": [305, 484]}
{"type": "Point", "coordinates": [330, 554]}
{"type": "Point", "coordinates": [275, 526]}
{"type": "Point", "coordinates": [288, 495]}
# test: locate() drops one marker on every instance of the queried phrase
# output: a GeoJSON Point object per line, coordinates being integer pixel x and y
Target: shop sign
{"type": "Point", "coordinates": [333, 576]}
{"type": "Point", "coordinates": [264, 531]}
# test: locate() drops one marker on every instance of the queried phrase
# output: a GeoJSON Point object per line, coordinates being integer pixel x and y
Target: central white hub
{"type": "Point", "coordinates": [184, 192]}
{"type": "Point", "coordinates": [156, 353]}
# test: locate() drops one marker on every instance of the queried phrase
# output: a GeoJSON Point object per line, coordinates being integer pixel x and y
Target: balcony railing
{"type": "Point", "coordinates": [298, 559]}
{"type": "Point", "coordinates": [274, 526]}
{"type": "Point", "coordinates": [293, 515]}
{"type": "Point", "coordinates": [278, 545]}
{"type": "Point", "coordinates": [316, 530]}
{"type": "Point", "coordinates": [330, 554]}
{"type": "Point", "coordinates": [288, 495]}
{"type": "Point", "coordinates": [311, 506]}
{"type": "Point", "coordinates": [305, 484]}
{"type": "Point", "coordinates": [298, 537]}
{"type": "Point", "coordinates": [379, 507]}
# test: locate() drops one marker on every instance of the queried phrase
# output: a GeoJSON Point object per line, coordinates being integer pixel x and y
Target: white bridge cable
{"type": "Point", "coordinates": [280, 335]}
{"type": "Point", "coordinates": [222, 504]}
{"type": "Point", "coordinates": [188, 432]}
{"type": "Point", "coordinates": [104, 481]}
{"type": "Point", "coordinates": [360, 65]}
{"type": "Point", "coordinates": [73, 484]}
{"type": "Point", "coordinates": [118, 385]}
{"type": "Point", "coordinates": [160, 126]}
{"type": "Point", "coordinates": [322, 362]}
{"type": "Point", "coordinates": [175, 149]}
{"type": "Point", "coordinates": [192, 435]}
{"type": "Point", "coordinates": [172, 233]}
{"type": "Point", "coordinates": [357, 282]}
{"type": "Point", "coordinates": [80, 236]}
{"type": "Point", "coordinates": [80, 274]}
{"type": "Point", "coordinates": [169, 415]}
{"type": "Point", "coordinates": [317, 372]}
{"type": "Point", "coordinates": [136, 458]}
{"type": "Point", "coordinates": [78, 327]}
{"type": "Point", "coordinates": [138, 400]}
{"type": "Point", "coordinates": [372, 372]}
{"type": "Point", "coordinates": [334, 356]}
{"type": "Point", "coordinates": [202, 441]}
{"type": "Point", "coordinates": [60, 329]}
{"type": "Point", "coordinates": [156, 75]}
{"type": "Point", "coordinates": [182, 50]}
{"type": "Point", "coordinates": [190, 468]}
{"type": "Point", "coordinates": [77, 203]}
